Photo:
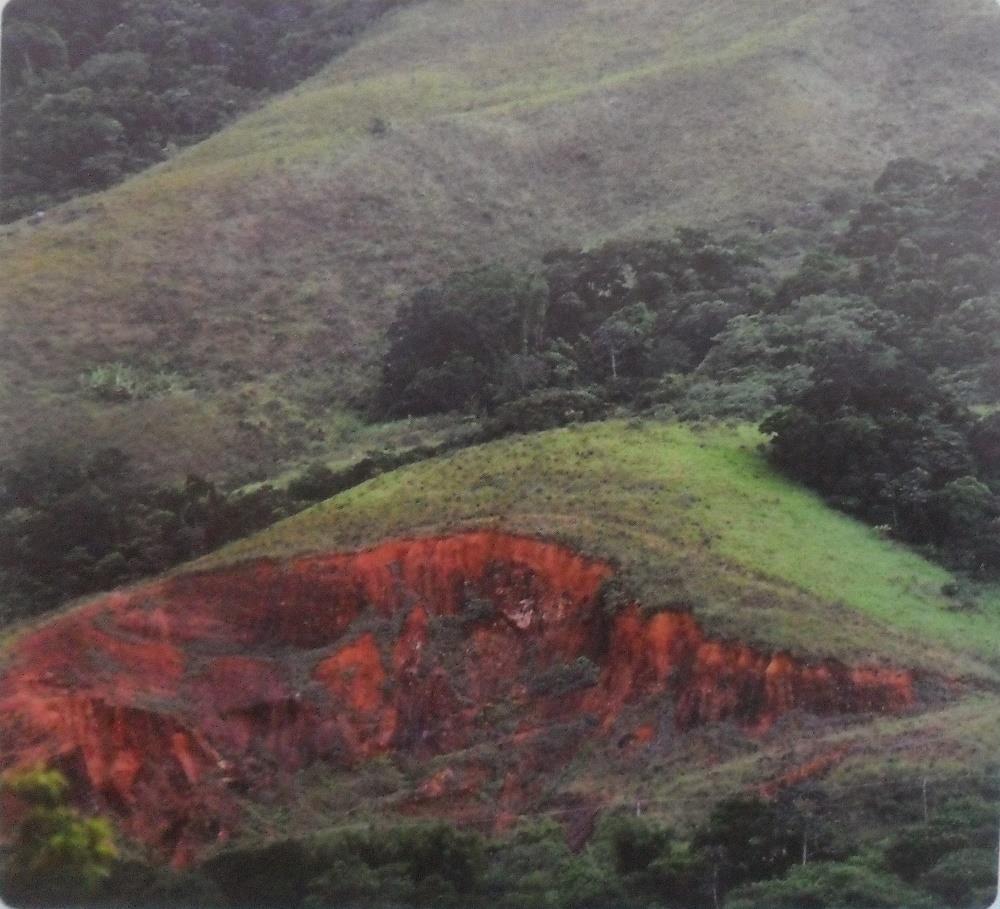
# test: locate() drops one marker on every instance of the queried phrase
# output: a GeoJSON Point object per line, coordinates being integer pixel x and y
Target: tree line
{"type": "Point", "coordinates": [784, 853]}
{"type": "Point", "coordinates": [95, 91]}
{"type": "Point", "coordinates": [73, 523]}
{"type": "Point", "coordinates": [873, 366]}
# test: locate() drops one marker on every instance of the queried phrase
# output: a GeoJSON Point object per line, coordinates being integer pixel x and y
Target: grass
{"type": "Point", "coordinates": [690, 515]}
{"type": "Point", "coordinates": [272, 256]}
{"type": "Point", "coordinates": [882, 759]}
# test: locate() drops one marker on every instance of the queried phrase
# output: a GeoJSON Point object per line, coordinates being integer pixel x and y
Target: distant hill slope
{"type": "Point", "coordinates": [569, 621]}
{"type": "Point", "coordinates": [247, 281]}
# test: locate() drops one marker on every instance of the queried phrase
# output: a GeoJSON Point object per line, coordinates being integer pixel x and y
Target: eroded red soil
{"type": "Point", "coordinates": [168, 702]}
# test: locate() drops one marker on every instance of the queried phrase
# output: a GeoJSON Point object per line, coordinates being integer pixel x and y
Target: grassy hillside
{"type": "Point", "coordinates": [695, 516]}
{"type": "Point", "coordinates": [691, 516]}
{"type": "Point", "coordinates": [249, 279]}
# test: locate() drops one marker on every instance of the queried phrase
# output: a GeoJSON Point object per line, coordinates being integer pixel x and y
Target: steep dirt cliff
{"type": "Point", "coordinates": [168, 703]}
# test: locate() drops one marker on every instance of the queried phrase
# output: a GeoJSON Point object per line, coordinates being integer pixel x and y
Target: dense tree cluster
{"type": "Point", "coordinates": [899, 424]}
{"type": "Point", "coordinates": [610, 322]}
{"type": "Point", "coordinates": [72, 525]}
{"type": "Point", "coordinates": [787, 852]}
{"type": "Point", "coordinates": [875, 364]}
{"type": "Point", "coordinates": [94, 91]}
{"type": "Point", "coordinates": [69, 526]}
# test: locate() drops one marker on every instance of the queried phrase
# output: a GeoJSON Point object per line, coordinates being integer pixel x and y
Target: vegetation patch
{"type": "Point", "coordinates": [690, 515]}
{"type": "Point", "coordinates": [635, 862]}
{"type": "Point", "coordinates": [101, 93]}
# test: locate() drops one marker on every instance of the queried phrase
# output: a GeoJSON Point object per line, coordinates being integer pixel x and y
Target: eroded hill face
{"type": "Point", "coordinates": [167, 703]}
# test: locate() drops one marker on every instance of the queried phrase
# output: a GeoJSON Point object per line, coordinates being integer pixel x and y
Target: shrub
{"type": "Point", "coordinates": [546, 409]}
{"type": "Point", "coordinates": [533, 868]}
{"type": "Point", "coordinates": [274, 875]}
{"type": "Point", "coordinates": [749, 839]}
{"type": "Point", "coordinates": [565, 678]}
{"type": "Point", "coordinates": [913, 850]}
{"type": "Point", "coordinates": [963, 878]}
{"type": "Point", "coordinates": [57, 855]}
{"type": "Point", "coordinates": [829, 884]}
{"type": "Point", "coordinates": [419, 864]}
{"type": "Point", "coordinates": [114, 382]}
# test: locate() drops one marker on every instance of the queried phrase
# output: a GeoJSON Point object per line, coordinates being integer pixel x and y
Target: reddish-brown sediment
{"type": "Point", "coordinates": [810, 770]}
{"type": "Point", "coordinates": [166, 703]}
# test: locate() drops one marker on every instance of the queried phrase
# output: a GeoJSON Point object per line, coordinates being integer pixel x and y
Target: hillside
{"type": "Point", "coordinates": [246, 283]}
{"type": "Point", "coordinates": [609, 614]}
{"type": "Point", "coordinates": [97, 93]}
{"type": "Point", "coordinates": [686, 515]}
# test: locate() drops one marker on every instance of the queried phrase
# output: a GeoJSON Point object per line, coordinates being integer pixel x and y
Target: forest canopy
{"type": "Point", "coordinates": [95, 91]}
{"type": "Point", "coordinates": [874, 364]}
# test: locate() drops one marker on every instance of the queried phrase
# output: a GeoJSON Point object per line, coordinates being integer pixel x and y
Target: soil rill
{"type": "Point", "coordinates": [167, 703]}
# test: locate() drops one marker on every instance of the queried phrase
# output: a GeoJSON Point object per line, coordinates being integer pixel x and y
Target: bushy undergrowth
{"type": "Point", "coordinates": [748, 853]}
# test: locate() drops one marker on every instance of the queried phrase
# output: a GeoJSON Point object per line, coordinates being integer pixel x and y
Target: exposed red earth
{"type": "Point", "coordinates": [167, 703]}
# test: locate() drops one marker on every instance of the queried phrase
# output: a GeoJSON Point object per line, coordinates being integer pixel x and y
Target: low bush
{"type": "Point", "coordinates": [830, 885]}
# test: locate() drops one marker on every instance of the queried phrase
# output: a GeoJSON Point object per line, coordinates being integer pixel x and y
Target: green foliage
{"type": "Point", "coordinates": [95, 95]}
{"type": "Point", "coordinates": [535, 869]}
{"type": "Point", "coordinates": [449, 343]}
{"type": "Point", "coordinates": [830, 885]}
{"type": "Point", "coordinates": [74, 523]}
{"type": "Point", "coordinates": [652, 864]}
{"type": "Point", "coordinates": [876, 436]}
{"type": "Point", "coordinates": [274, 875]}
{"type": "Point", "coordinates": [545, 409]}
{"type": "Point", "coordinates": [635, 844]}
{"type": "Point", "coordinates": [39, 787]}
{"type": "Point", "coordinates": [71, 525]}
{"type": "Point", "coordinates": [958, 826]}
{"type": "Point", "coordinates": [625, 338]}
{"type": "Point", "coordinates": [963, 878]}
{"type": "Point", "coordinates": [420, 865]}
{"type": "Point", "coordinates": [122, 382]}
{"type": "Point", "coordinates": [317, 481]}
{"type": "Point", "coordinates": [747, 839]}
{"type": "Point", "coordinates": [56, 855]}
{"type": "Point", "coordinates": [740, 857]}
{"type": "Point", "coordinates": [531, 347]}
